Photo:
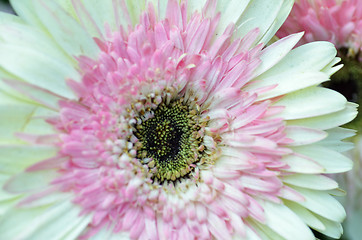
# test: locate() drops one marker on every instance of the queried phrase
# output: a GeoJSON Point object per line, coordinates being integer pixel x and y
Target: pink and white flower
{"type": "Point", "coordinates": [166, 120]}
{"type": "Point", "coordinates": [336, 21]}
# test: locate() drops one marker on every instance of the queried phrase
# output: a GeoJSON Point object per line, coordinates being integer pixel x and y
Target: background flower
{"type": "Point", "coordinates": [95, 93]}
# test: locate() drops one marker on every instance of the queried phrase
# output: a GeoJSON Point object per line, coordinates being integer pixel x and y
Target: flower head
{"type": "Point", "coordinates": [339, 22]}
{"type": "Point", "coordinates": [167, 120]}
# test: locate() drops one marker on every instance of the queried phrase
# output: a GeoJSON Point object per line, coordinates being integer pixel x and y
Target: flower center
{"type": "Point", "coordinates": [170, 140]}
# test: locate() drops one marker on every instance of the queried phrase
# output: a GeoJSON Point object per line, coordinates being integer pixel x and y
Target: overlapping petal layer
{"type": "Point", "coordinates": [267, 129]}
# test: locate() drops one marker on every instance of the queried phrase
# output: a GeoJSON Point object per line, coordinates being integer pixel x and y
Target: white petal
{"type": "Point", "coordinates": [309, 57]}
{"type": "Point", "coordinates": [317, 182]}
{"type": "Point", "coordinates": [285, 222]}
{"type": "Point", "coordinates": [18, 33]}
{"type": "Point", "coordinates": [331, 68]}
{"type": "Point", "coordinates": [59, 227]}
{"type": "Point", "coordinates": [259, 14]}
{"type": "Point", "coordinates": [311, 102]}
{"type": "Point", "coordinates": [107, 234]}
{"type": "Point", "coordinates": [231, 11]}
{"type": "Point", "coordinates": [30, 181]}
{"type": "Point", "coordinates": [78, 229]}
{"type": "Point", "coordinates": [333, 229]}
{"type": "Point", "coordinates": [265, 232]}
{"type": "Point", "coordinates": [279, 20]}
{"type": "Point", "coordinates": [16, 223]}
{"type": "Point", "coordinates": [18, 116]}
{"type": "Point", "coordinates": [4, 195]}
{"type": "Point", "coordinates": [286, 83]}
{"type": "Point", "coordinates": [299, 164]}
{"type": "Point", "coordinates": [15, 158]}
{"type": "Point", "coordinates": [303, 135]}
{"type": "Point", "coordinates": [275, 52]}
{"type": "Point", "coordinates": [335, 139]}
{"type": "Point", "coordinates": [329, 121]}
{"type": "Point", "coordinates": [309, 218]}
{"type": "Point", "coordinates": [37, 68]}
{"type": "Point", "coordinates": [332, 161]}
{"type": "Point", "coordinates": [195, 5]}
{"type": "Point", "coordinates": [321, 203]}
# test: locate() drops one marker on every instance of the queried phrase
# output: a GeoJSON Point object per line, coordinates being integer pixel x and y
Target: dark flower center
{"type": "Point", "coordinates": [170, 142]}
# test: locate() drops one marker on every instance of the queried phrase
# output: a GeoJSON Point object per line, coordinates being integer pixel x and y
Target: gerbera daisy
{"type": "Point", "coordinates": [166, 120]}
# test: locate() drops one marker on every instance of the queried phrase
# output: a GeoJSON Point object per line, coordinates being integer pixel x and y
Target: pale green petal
{"type": "Point", "coordinates": [79, 228]}
{"type": "Point", "coordinates": [309, 218]}
{"type": "Point", "coordinates": [17, 32]}
{"type": "Point", "coordinates": [259, 14]}
{"type": "Point", "coordinates": [285, 222]}
{"type": "Point", "coordinates": [278, 21]}
{"type": "Point", "coordinates": [66, 31]}
{"type": "Point", "coordinates": [30, 181]}
{"type": "Point", "coordinates": [317, 182]}
{"type": "Point", "coordinates": [264, 231]}
{"type": "Point", "coordinates": [64, 224]}
{"type": "Point", "coordinates": [298, 164]}
{"type": "Point", "coordinates": [286, 83]}
{"type": "Point", "coordinates": [332, 161]}
{"type": "Point", "coordinates": [303, 135]}
{"type": "Point", "coordinates": [271, 55]}
{"type": "Point", "coordinates": [37, 68]}
{"type": "Point", "coordinates": [16, 158]}
{"type": "Point", "coordinates": [25, 223]}
{"type": "Point", "coordinates": [231, 11]}
{"type": "Point", "coordinates": [335, 139]}
{"type": "Point", "coordinates": [198, 5]}
{"type": "Point", "coordinates": [309, 57]}
{"type": "Point", "coordinates": [331, 68]}
{"type": "Point", "coordinates": [332, 229]}
{"type": "Point", "coordinates": [311, 102]}
{"type": "Point", "coordinates": [18, 116]}
{"type": "Point", "coordinates": [321, 203]}
{"type": "Point", "coordinates": [328, 121]}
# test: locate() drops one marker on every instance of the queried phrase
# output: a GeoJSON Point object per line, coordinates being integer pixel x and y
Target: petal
{"type": "Point", "coordinates": [286, 83]}
{"type": "Point", "coordinates": [329, 121]}
{"type": "Point", "coordinates": [30, 181]}
{"type": "Point", "coordinates": [306, 58]}
{"type": "Point", "coordinates": [309, 218]}
{"type": "Point", "coordinates": [31, 68]}
{"type": "Point", "coordinates": [275, 52]}
{"type": "Point", "coordinates": [18, 116]}
{"type": "Point", "coordinates": [16, 158]}
{"type": "Point", "coordinates": [321, 203]}
{"type": "Point", "coordinates": [301, 164]}
{"type": "Point", "coordinates": [311, 102]}
{"type": "Point", "coordinates": [317, 182]}
{"type": "Point", "coordinates": [285, 222]}
{"type": "Point", "coordinates": [65, 30]}
{"type": "Point", "coordinates": [231, 11]}
{"type": "Point", "coordinates": [335, 138]}
{"type": "Point", "coordinates": [303, 136]}
{"type": "Point", "coordinates": [262, 15]}
{"type": "Point", "coordinates": [15, 224]}
{"type": "Point", "coordinates": [332, 161]}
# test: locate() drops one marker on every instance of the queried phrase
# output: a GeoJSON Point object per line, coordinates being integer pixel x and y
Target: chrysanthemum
{"type": "Point", "coordinates": [336, 21]}
{"type": "Point", "coordinates": [166, 120]}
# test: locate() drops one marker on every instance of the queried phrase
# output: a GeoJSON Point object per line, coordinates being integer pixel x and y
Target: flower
{"type": "Point", "coordinates": [166, 120]}
{"type": "Point", "coordinates": [339, 22]}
